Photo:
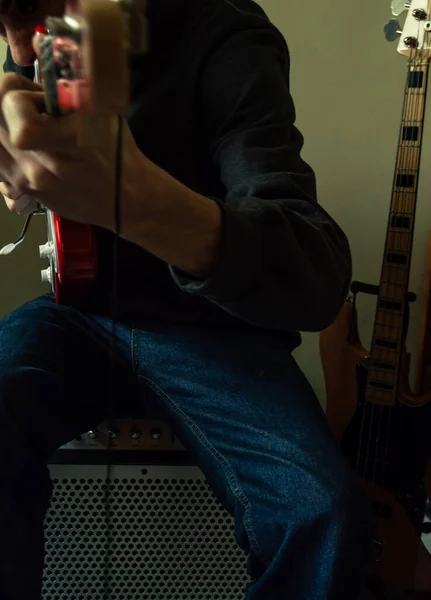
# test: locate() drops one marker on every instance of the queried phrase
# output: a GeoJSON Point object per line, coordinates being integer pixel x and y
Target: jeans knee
{"type": "Point", "coordinates": [333, 516]}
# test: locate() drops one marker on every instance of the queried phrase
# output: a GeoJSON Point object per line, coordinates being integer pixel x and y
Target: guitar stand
{"type": "Point", "coordinates": [373, 290]}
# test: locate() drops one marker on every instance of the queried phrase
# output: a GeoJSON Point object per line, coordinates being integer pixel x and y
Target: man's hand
{"type": "Point", "coordinates": [40, 159]}
{"type": "Point", "coordinates": [17, 202]}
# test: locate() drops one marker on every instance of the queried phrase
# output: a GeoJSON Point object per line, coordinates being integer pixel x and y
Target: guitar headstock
{"type": "Point", "coordinates": [416, 35]}
{"type": "Point", "coordinates": [83, 60]}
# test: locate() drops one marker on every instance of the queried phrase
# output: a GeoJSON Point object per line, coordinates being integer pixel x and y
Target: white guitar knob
{"type": "Point", "coordinates": [46, 275]}
{"type": "Point", "coordinates": [46, 250]}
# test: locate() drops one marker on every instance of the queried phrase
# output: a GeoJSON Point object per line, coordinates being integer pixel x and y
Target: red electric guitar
{"type": "Point", "coordinates": [82, 66]}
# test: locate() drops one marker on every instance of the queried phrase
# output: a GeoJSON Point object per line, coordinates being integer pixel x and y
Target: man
{"type": "Point", "coordinates": [224, 257]}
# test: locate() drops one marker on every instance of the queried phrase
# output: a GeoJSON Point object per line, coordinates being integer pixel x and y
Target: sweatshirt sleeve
{"type": "Point", "coordinates": [284, 263]}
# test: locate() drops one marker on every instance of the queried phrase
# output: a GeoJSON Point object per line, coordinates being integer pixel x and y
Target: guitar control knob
{"type": "Point", "coordinates": [46, 275]}
{"type": "Point", "coordinates": [46, 250]}
{"type": "Point", "coordinates": [135, 434]}
{"type": "Point", "coordinates": [426, 527]}
{"type": "Point", "coordinates": [114, 433]}
{"type": "Point", "coordinates": [156, 434]}
{"type": "Point", "coordinates": [92, 434]}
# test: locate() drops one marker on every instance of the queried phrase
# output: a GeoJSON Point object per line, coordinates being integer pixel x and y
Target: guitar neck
{"type": "Point", "coordinates": [389, 331]}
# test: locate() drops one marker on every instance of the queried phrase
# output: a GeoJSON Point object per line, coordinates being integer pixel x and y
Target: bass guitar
{"type": "Point", "coordinates": [80, 56]}
{"type": "Point", "coordinates": [382, 426]}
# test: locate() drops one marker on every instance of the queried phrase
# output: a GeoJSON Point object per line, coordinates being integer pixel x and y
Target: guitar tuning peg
{"type": "Point", "coordinates": [392, 30]}
{"type": "Point", "coordinates": [399, 6]}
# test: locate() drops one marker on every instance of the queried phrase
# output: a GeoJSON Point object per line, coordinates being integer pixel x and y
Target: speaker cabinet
{"type": "Point", "coordinates": [162, 534]}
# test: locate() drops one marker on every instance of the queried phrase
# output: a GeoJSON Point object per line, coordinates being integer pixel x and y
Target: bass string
{"type": "Point", "coordinates": [111, 402]}
{"type": "Point", "coordinates": [418, 105]}
{"type": "Point", "coordinates": [410, 156]}
{"type": "Point", "coordinates": [365, 441]}
{"type": "Point", "coordinates": [399, 208]}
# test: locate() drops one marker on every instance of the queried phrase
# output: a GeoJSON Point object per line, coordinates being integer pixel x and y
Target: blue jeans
{"type": "Point", "coordinates": [239, 403]}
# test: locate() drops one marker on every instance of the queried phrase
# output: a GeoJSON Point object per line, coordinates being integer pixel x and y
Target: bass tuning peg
{"type": "Point", "coordinates": [392, 30]}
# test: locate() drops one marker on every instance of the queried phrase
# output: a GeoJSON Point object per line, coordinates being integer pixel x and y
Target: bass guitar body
{"type": "Point", "coordinates": [389, 448]}
{"type": "Point", "coordinates": [82, 66]}
{"type": "Point", "coordinates": [381, 425]}
{"type": "Point", "coordinates": [72, 253]}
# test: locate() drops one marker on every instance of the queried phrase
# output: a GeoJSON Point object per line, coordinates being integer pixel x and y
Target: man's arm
{"type": "Point", "coordinates": [268, 253]}
{"type": "Point", "coordinates": [170, 220]}
{"type": "Point", "coordinates": [265, 252]}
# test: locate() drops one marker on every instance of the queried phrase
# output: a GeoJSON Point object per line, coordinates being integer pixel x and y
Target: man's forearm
{"type": "Point", "coordinates": [171, 221]}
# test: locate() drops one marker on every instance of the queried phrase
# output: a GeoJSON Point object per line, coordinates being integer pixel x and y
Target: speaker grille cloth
{"type": "Point", "coordinates": [170, 537]}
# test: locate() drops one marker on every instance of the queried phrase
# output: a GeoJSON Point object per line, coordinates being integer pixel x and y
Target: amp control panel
{"type": "Point", "coordinates": [127, 434]}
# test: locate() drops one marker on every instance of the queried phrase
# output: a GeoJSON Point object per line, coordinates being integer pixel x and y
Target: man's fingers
{"type": "Point", "coordinates": [30, 128]}
{"type": "Point", "coordinates": [7, 164]}
{"type": "Point", "coordinates": [13, 81]}
{"type": "Point", "coordinates": [24, 115]}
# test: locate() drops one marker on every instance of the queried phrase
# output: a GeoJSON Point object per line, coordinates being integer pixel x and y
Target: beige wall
{"type": "Point", "coordinates": [348, 83]}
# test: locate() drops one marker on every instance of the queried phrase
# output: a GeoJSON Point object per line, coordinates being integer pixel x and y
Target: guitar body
{"type": "Point", "coordinates": [80, 56]}
{"type": "Point", "coordinates": [340, 352]}
{"type": "Point", "coordinates": [400, 511]}
{"type": "Point", "coordinates": [401, 559]}
{"type": "Point", "coordinates": [381, 425]}
{"type": "Point", "coordinates": [72, 253]}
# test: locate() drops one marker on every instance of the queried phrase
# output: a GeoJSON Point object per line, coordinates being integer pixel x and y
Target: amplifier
{"type": "Point", "coordinates": [166, 536]}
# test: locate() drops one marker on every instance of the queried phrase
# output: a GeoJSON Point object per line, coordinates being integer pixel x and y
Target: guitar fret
{"type": "Point", "coordinates": [383, 366]}
{"type": "Point", "coordinates": [397, 259]}
{"type": "Point", "coordinates": [393, 301]}
{"type": "Point", "coordinates": [379, 349]}
{"type": "Point", "coordinates": [388, 334]}
{"type": "Point", "coordinates": [381, 385]}
{"type": "Point", "coordinates": [403, 205]}
{"type": "Point", "coordinates": [386, 343]}
{"type": "Point", "coordinates": [389, 305]}
{"type": "Point", "coordinates": [392, 283]}
{"type": "Point", "coordinates": [388, 325]}
{"type": "Point", "coordinates": [410, 133]}
{"type": "Point", "coordinates": [386, 398]}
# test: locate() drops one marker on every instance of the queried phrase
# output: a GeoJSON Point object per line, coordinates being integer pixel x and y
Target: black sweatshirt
{"type": "Point", "coordinates": [211, 105]}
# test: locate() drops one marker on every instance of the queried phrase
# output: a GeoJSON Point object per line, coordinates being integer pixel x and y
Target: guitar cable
{"type": "Point", "coordinates": [113, 348]}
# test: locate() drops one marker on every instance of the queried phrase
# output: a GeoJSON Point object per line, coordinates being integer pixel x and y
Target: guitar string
{"type": "Point", "coordinates": [397, 206]}
{"type": "Point", "coordinates": [400, 206]}
{"type": "Point", "coordinates": [415, 108]}
{"type": "Point", "coordinates": [366, 408]}
{"type": "Point", "coordinates": [113, 354]}
{"type": "Point", "coordinates": [420, 101]}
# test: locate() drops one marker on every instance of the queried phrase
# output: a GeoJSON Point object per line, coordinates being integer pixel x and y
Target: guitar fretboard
{"type": "Point", "coordinates": [388, 336]}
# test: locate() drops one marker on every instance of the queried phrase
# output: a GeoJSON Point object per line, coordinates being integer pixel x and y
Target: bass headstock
{"type": "Point", "coordinates": [83, 60]}
{"type": "Point", "coordinates": [415, 34]}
